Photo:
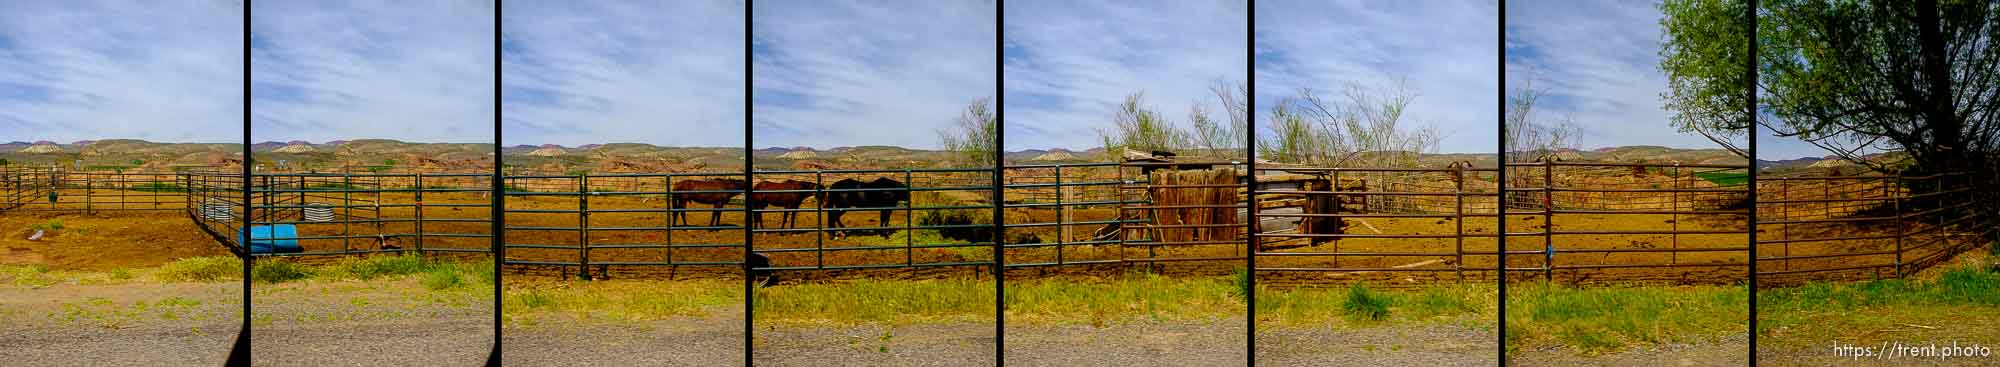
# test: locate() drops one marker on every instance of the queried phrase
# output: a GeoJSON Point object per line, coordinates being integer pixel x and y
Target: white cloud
{"type": "Point", "coordinates": [1600, 63]}
{"type": "Point", "coordinates": [154, 70]}
{"type": "Point", "coordinates": [406, 70]}
{"type": "Point", "coordinates": [660, 72]}
{"type": "Point", "coordinates": [1445, 51]}
{"type": "Point", "coordinates": [1069, 64]}
{"type": "Point", "coordinates": [867, 73]}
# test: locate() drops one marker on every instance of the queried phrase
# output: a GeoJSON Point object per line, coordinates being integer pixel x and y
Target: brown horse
{"type": "Point", "coordinates": [788, 200]}
{"type": "Point", "coordinates": [715, 192]}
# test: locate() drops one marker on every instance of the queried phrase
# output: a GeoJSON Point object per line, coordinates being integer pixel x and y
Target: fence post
{"type": "Point", "coordinates": [909, 218]}
{"type": "Point", "coordinates": [1120, 190]}
{"type": "Point", "coordinates": [819, 211]}
{"type": "Point", "coordinates": [583, 226]}
{"type": "Point", "coordinates": [1458, 222]}
{"type": "Point", "coordinates": [669, 188]}
{"type": "Point", "coordinates": [1062, 217]}
{"type": "Point", "coordinates": [1901, 227]}
{"type": "Point", "coordinates": [347, 206]}
{"type": "Point", "coordinates": [1674, 198]}
{"type": "Point", "coordinates": [420, 213]}
{"type": "Point", "coordinates": [1333, 188]}
{"type": "Point", "coordinates": [86, 191]}
{"type": "Point", "coordinates": [1548, 221]}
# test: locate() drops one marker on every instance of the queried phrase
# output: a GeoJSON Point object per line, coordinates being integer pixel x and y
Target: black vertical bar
{"type": "Point", "coordinates": [999, 182]}
{"type": "Point", "coordinates": [1500, 177]}
{"type": "Point", "coordinates": [749, 300]}
{"type": "Point", "coordinates": [1250, 151]}
{"type": "Point", "coordinates": [498, 212]}
{"type": "Point", "coordinates": [1750, 93]}
{"type": "Point", "coordinates": [239, 354]}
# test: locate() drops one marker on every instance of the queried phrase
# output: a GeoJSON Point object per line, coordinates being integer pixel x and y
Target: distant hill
{"type": "Point", "coordinates": [636, 157]}
{"type": "Point", "coordinates": [122, 154]}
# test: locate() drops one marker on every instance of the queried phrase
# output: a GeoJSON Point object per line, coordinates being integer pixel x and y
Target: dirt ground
{"type": "Point", "coordinates": [104, 240]}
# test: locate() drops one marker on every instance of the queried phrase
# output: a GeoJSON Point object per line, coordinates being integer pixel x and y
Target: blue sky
{"type": "Point", "coordinates": [845, 73]}
{"type": "Point", "coordinates": [1070, 63]}
{"type": "Point", "coordinates": [661, 72]}
{"type": "Point", "coordinates": [1600, 61]}
{"type": "Point", "coordinates": [157, 70]}
{"type": "Point", "coordinates": [406, 70]}
{"type": "Point", "coordinates": [1444, 52]}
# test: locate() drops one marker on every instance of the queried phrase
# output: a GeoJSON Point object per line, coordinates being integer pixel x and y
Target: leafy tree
{"type": "Point", "coordinates": [972, 137]}
{"type": "Point", "coordinates": [1139, 127]}
{"type": "Point", "coordinates": [1848, 76]}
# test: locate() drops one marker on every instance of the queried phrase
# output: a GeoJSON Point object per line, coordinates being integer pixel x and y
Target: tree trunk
{"type": "Point", "coordinates": [1946, 131]}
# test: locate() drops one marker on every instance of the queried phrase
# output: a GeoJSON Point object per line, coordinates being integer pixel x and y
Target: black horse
{"type": "Point", "coordinates": [882, 194]}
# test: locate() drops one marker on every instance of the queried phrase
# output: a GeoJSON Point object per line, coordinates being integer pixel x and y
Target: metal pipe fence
{"type": "Point", "coordinates": [1087, 202]}
{"type": "Point", "coordinates": [1580, 221]}
{"type": "Point", "coordinates": [1868, 226]}
{"type": "Point", "coordinates": [944, 214]}
{"type": "Point", "coordinates": [603, 220]}
{"type": "Point", "coordinates": [215, 204]}
{"type": "Point", "coordinates": [90, 191]}
{"type": "Point", "coordinates": [1306, 226]}
{"type": "Point", "coordinates": [361, 213]}
{"type": "Point", "coordinates": [1671, 216]}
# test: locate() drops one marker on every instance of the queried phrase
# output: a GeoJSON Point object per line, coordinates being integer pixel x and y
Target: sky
{"type": "Point", "coordinates": [168, 71]}
{"type": "Point", "coordinates": [668, 73]}
{"type": "Point", "coordinates": [1069, 64]}
{"type": "Point", "coordinates": [419, 70]}
{"type": "Point", "coordinates": [1443, 51]}
{"type": "Point", "coordinates": [1600, 63]}
{"type": "Point", "coordinates": [847, 73]}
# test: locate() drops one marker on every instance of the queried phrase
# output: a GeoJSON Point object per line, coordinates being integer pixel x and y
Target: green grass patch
{"type": "Point", "coordinates": [618, 300]}
{"type": "Point", "coordinates": [1365, 304]}
{"type": "Point", "coordinates": [369, 268]}
{"type": "Point", "coordinates": [51, 225]}
{"type": "Point", "coordinates": [1602, 319]}
{"type": "Point", "coordinates": [201, 269]}
{"type": "Point", "coordinates": [1133, 297]}
{"type": "Point", "coordinates": [442, 280]}
{"type": "Point", "coordinates": [1360, 305]}
{"type": "Point", "coordinates": [33, 276]}
{"type": "Point", "coordinates": [1724, 178]}
{"type": "Point", "coordinates": [1966, 284]}
{"type": "Point", "coordinates": [278, 271]}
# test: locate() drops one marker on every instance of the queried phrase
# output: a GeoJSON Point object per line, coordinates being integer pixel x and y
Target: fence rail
{"type": "Point", "coordinates": [1572, 220]}
{"type": "Point", "coordinates": [1868, 226]}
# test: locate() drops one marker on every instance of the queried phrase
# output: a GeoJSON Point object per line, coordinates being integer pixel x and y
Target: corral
{"type": "Point", "coordinates": [1569, 222]}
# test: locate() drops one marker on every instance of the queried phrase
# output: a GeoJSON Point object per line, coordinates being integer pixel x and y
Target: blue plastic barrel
{"type": "Point", "coordinates": [282, 238]}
